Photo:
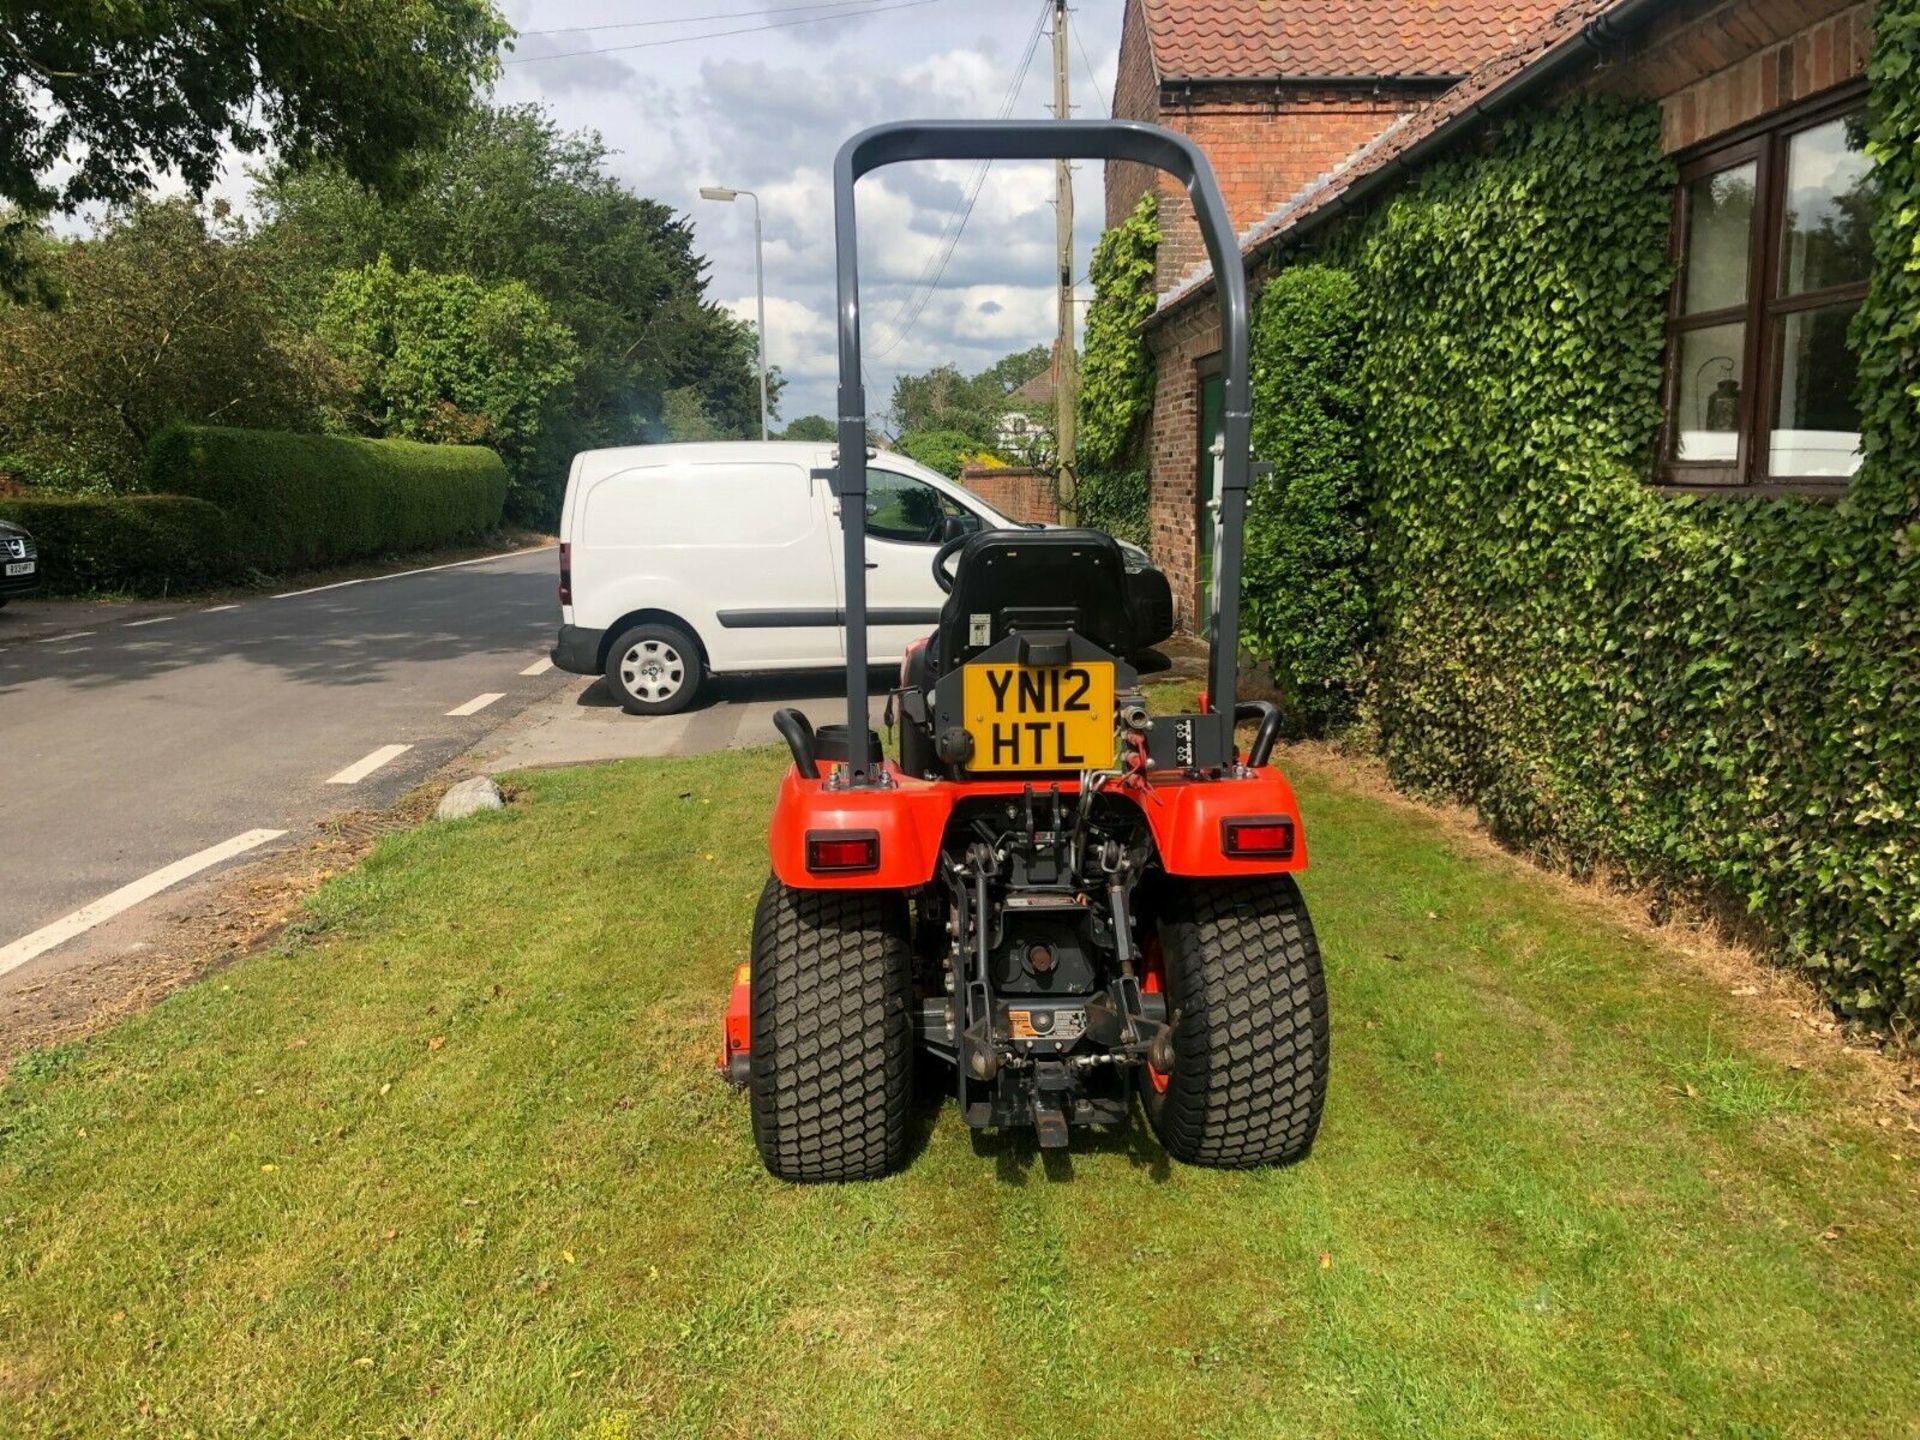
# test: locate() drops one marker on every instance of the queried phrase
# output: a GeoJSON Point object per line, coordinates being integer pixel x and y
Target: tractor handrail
{"type": "Point", "coordinates": [1038, 140]}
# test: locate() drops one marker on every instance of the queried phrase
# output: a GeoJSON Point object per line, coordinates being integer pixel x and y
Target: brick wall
{"type": "Point", "coordinates": [1713, 66]}
{"type": "Point", "coordinates": [1265, 145]}
{"type": "Point", "coordinates": [1136, 96]}
{"type": "Point", "coordinates": [1265, 142]}
{"type": "Point", "coordinates": [1016, 492]}
{"type": "Point", "coordinates": [1173, 448]}
{"type": "Point", "coordinates": [1747, 59]}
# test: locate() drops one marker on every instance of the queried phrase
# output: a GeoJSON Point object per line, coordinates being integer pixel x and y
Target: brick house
{"type": "Point", "coordinates": [1308, 107]}
{"type": "Point", "coordinates": [1278, 93]}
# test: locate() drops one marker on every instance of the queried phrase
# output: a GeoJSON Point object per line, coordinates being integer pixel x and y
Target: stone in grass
{"type": "Point", "coordinates": [469, 797]}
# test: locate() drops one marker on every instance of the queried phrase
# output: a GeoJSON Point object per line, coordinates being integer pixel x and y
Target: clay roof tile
{"type": "Point", "coordinates": [1259, 39]}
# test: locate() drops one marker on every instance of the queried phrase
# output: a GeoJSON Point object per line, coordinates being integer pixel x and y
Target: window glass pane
{"type": "Point", "coordinates": [1709, 396]}
{"type": "Point", "coordinates": [1829, 207]}
{"type": "Point", "coordinates": [1818, 430]}
{"type": "Point", "coordinates": [902, 508]}
{"type": "Point", "coordinates": [1719, 239]}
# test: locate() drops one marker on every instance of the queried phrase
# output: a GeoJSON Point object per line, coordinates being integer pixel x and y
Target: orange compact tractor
{"type": "Point", "coordinates": [1068, 899]}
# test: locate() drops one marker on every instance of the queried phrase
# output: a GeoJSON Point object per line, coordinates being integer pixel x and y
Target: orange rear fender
{"type": "Point", "coordinates": [1188, 820]}
{"type": "Point", "coordinates": [908, 819]}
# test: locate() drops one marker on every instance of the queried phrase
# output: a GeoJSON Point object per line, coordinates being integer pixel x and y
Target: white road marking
{"type": "Point", "coordinates": [126, 897]}
{"type": "Point", "coordinates": [539, 667]}
{"type": "Point", "coordinates": [478, 703]}
{"type": "Point", "coordinates": [156, 620]}
{"type": "Point", "coordinates": [365, 766]}
{"type": "Point", "coordinates": [402, 574]}
{"type": "Point", "coordinates": [216, 609]}
{"type": "Point", "coordinates": [75, 635]}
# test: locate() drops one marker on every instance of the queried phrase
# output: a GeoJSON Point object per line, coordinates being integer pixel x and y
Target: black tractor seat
{"type": "Point", "coordinates": [1036, 583]}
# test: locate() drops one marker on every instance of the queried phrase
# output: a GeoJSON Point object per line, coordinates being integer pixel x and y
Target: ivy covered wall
{"type": "Point", "coordinates": [1116, 377]}
{"type": "Point", "coordinates": [1710, 695]}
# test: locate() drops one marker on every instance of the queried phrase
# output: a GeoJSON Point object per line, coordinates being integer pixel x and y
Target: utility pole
{"type": "Point", "coordinates": [1066, 384]}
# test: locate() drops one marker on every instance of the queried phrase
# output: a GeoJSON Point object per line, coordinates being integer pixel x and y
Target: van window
{"type": "Point", "coordinates": [902, 508]}
{"type": "Point", "coordinates": [695, 506]}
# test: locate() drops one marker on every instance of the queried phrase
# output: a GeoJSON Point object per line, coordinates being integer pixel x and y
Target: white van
{"type": "Point", "coordinates": [683, 561]}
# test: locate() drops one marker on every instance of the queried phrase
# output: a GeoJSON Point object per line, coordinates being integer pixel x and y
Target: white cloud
{"type": "Point", "coordinates": [768, 110]}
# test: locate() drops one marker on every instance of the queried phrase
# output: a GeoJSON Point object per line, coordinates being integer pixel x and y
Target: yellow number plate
{"type": "Point", "coordinates": [1039, 717]}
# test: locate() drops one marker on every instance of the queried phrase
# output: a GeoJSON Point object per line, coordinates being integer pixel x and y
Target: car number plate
{"type": "Point", "coordinates": [20, 567]}
{"type": "Point", "coordinates": [1039, 717]}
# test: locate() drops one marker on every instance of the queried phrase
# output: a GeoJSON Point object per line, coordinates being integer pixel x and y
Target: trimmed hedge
{"type": "Point", "coordinates": [308, 500]}
{"type": "Point", "coordinates": [1306, 594]}
{"type": "Point", "coordinates": [135, 544]}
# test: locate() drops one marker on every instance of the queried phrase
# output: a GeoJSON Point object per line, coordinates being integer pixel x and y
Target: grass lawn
{"type": "Point", "coordinates": [454, 1163]}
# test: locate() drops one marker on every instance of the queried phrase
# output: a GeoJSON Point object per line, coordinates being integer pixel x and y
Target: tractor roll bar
{"type": "Point", "coordinates": [1037, 140]}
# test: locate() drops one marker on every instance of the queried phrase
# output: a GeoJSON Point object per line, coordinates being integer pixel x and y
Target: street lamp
{"type": "Point", "coordinates": [722, 193]}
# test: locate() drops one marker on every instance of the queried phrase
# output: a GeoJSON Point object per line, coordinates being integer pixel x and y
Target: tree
{"type": "Point", "coordinates": [160, 318]}
{"type": "Point", "coordinates": [446, 358]}
{"type": "Point", "coordinates": [513, 197]}
{"type": "Point", "coordinates": [96, 96]}
{"type": "Point", "coordinates": [684, 416]}
{"type": "Point", "coordinates": [944, 399]}
{"type": "Point", "coordinates": [810, 427]}
{"type": "Point", "coordinates": [1010, 372]}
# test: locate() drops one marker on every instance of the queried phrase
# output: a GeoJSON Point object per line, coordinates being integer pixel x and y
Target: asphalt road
{"type": "Point", "coordinates": [132, 747]}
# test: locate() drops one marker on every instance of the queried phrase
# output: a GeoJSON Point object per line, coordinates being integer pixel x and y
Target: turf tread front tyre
{"type": "Point", "coordinates": [1249, 1074]}
{"type": "Point", "coordinates": [832, 1046]}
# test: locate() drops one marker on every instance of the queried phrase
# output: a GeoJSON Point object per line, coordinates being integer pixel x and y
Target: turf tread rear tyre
{"type": "Point", "coordinates": [832, 1048]}
{"type": "Point", "coordinates": [1249, 1074]}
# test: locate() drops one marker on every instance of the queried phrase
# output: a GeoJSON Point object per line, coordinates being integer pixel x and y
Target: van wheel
{"type": "Point", "coordinates": [654, 669]}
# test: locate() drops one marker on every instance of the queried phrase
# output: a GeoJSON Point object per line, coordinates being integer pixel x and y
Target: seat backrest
{"type": "Point", "coordinates": [1028, 581]}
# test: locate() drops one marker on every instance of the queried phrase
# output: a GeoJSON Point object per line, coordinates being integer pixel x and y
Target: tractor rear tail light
{"type": "Point", "coordinates": [566, 573]}
{"type": "Point", "coordinates": [1258, 837]}
{"type": "Point", "coordinates": [842, 852]}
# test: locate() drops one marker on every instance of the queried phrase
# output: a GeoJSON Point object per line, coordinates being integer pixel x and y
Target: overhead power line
{"type": "Point", "coordinates": [717, 34]}
{"type": "Point", "coordinates": [918, 297]}
{"type": "Point", "coordinates": [1093, 81]}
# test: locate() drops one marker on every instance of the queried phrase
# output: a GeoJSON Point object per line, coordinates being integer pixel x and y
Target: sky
{"type": "Point", "coordinates": [766, 106]}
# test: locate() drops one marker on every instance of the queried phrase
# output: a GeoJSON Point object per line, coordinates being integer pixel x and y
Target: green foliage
{"type": "Point", "coordinates": [162, 317]}
{"type": "Point", "coordinates": [128, 544]}
{"type": "Point", "coordinates": [450, 360]}
{"type": "Point", "coordinates": [810, 427]}
{"type": "Point", "coordinates": [1306, 601]}
{"type": "Point", "coordinates": [1115, 501]}
{"type": "Point", "coordinates": [511, 196]}
{"type": "Point", "coordinates": [1717, 695]}
{"type": "Point", "coordinates": [96, 97]}
{"type": "Point", "coordinates": [973, 405]}
{"type": "Point", "coordinates": [1887, 333]}
{"type": "Point", "coordinates": [1116, 372]}
{"type": "Point", "coordinates": [946, 451]}
{"type": "Point", "coordinates": [306, 500]}
{"type": "Point", "coordinates": [684, 416]}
